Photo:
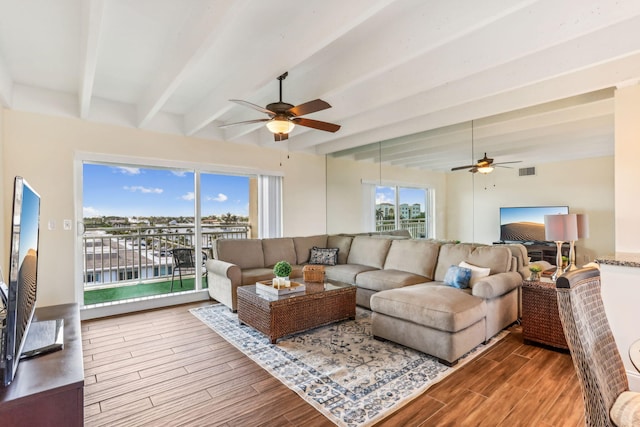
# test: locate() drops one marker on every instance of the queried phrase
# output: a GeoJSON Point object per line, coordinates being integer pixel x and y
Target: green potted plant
{"type": "Point", "coordinates": [282, 269]}
{"type": "Point", "coordinates": [535, 272]}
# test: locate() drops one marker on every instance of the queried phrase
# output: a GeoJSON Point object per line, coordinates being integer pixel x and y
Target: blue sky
{"type": "Point", "coordinates": [132, 191]}
{"type": "Point", "coordinates": [407, 195]}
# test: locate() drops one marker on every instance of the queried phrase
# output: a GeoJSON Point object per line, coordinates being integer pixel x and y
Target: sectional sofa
{"type": "Point", "coordinates": [400, 279]}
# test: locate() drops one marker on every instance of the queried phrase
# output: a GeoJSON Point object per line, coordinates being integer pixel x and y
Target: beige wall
{"type": "Point", "coordinates": [43, 148]}
{"type": "Point", "coordinates": [586, 186]}
{"type": "Point", "coordinates": [345, 195]}
{"type": "Point", "coordinates": [627, 172]}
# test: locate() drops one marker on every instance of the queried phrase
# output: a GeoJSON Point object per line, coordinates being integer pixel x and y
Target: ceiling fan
{"type": "Point", "coordinates": [485, 165]}
{"type": "Point", "coordinates": [283, 116]}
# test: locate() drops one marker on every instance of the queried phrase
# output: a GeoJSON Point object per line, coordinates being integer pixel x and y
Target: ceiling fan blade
{"type": "Point", "coordinates": [507, 163]}
{"type": "Point", "coordinates": [277, 137]}
{"type": "Point", "coordinates": [246, 122]}
{"type": "Point", "coordinates": [459, 168]}
{"type": "Point", "coordinates": [254, 106]}
{"type": "Point", "coordinates": [309, 107]}
{"type": "Point", "coordinates": [316, 124]}
{"type": "Point", "coordinates": [473, 169]}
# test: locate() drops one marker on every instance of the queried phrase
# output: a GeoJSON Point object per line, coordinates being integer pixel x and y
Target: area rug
{"type": "Point", "coordinates": [340, 369]}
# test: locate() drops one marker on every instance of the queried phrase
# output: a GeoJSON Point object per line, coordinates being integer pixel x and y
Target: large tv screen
{"type": "Point", "coordinates": [526, 224]}
{"type": "Point", "coordinates": [23, 268]}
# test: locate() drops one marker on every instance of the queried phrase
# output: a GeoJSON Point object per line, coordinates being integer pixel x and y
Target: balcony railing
{"type": "Point", "coordinates": [131, 255]}
{"type": "Point", "coordinates": [417, 226]}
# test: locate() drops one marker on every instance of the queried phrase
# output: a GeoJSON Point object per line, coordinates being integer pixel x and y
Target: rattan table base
{"type": "Point", "coordinates": [320, 304]}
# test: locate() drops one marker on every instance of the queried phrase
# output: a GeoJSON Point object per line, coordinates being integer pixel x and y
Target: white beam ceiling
{"type": "Point", "coordinates": [410, 73]}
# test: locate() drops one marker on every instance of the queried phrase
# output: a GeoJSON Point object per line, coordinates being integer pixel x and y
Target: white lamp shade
{"type": "Point", "coordinates": [561, 228]}
{"type": "Point", "coordinates": [583, 226]}
{"type": "Point", "coordinates": [485, 169]}
{"type": "Point", "coordinates": [280, 126]}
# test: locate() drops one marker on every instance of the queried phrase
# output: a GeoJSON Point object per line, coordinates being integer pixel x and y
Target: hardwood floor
{"type": "Point", "coordinates": [165, 367]}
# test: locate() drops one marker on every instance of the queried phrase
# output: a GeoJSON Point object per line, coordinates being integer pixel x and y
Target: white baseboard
{"type": "Point", "coordinates": [634, 380]}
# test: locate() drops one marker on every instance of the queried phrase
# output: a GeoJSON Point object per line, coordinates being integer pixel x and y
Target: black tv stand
{"type": "Point", "coordinates": [546, 252]}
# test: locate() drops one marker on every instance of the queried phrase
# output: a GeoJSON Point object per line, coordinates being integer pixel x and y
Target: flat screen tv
{"type": "Point", "coordinates": [526, 224]}
{"type": "Point", "coordinates": [20, 337]}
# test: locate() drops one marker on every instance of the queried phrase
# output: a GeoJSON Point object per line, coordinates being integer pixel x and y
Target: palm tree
{"type": "Point", "coordinates": [379, 214]}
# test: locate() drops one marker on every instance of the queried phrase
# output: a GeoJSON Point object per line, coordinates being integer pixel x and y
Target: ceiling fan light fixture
{"type": "Point", "coordinates": [485, 169]}
{"type": "Point", "coordinates": [280, 125]}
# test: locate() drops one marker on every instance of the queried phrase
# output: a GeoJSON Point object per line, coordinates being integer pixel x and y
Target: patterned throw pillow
{"type": "Point", "coordinates": [458, 277]}
{"type": "Point", "coordinates": [477, 273]}
{"type": "Point", "coordinates": [323, 256]}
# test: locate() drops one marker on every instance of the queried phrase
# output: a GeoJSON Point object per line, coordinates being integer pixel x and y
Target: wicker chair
{"type": "Point", "coordinates": [605, 390]}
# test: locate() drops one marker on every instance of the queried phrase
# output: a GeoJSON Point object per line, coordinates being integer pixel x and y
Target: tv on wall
{"type": "Point", "coordinates": [526, 224]}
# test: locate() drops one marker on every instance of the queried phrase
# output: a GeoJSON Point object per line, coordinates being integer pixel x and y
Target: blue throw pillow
{"type": "Point", "coordinates": [458, 277]}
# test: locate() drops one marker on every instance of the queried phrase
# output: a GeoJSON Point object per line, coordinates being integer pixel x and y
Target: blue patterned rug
{"type": "Point", "coordinates": [340, 369]}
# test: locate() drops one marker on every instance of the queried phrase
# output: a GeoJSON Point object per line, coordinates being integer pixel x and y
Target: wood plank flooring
{"type": "Point", "coordinates": [165, 367]}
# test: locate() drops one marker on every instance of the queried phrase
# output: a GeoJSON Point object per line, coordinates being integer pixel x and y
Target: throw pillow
{"type": "Point", "coordinates": [477, 273]}
{"type": "Point", "coordinates": [458, 277]}
{"type": "Point", "coordinates": [323, 256]}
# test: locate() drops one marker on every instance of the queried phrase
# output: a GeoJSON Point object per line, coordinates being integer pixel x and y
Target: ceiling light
{"type": "Point", "coordinates": [485, 169]}
{"type": "Point", "coordinates": [280, 124]}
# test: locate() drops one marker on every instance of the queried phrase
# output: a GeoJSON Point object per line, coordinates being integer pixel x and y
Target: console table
{"type": "Point", "coordinates": [49, 390]}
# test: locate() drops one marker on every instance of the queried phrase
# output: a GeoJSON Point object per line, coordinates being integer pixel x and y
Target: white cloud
{"type": "Point", "coordinates": [144, 190]}
{"type": "Point", "coordinates": [89, 212]}
{"type": "Point", "coordinates": [382, 198]}
{"type": "Point", "coordinates": [219, 198]}
{"type": "Point", "coordinates": [179, 173]}
{"type": "Point", "coordinates": [127, 170]}
{"type": "Point", "coordinates": [189, 196]}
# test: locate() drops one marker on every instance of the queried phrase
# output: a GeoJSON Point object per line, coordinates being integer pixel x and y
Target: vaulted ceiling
{"type": "Point", "coordinates": [537, 78]}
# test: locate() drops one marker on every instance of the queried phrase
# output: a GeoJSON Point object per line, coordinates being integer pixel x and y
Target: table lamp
{"type": "Point", "coordinates": [583, 233]}
{"type": "Point", "coordinates": [560, 229]}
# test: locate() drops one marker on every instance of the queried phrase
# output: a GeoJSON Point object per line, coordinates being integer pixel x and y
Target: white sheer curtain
{"type": "Point", "coordinates": [269, 206]}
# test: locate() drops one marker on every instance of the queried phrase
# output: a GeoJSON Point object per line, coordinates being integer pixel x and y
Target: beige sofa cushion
{"type": "Point", "coordinates": [251, 275]}
{"type": "Point", "coordinates": [450, 254]}
{"type": "Point", "coordinates": [368, 251]}
{"type": "Point", "coordinates": [245, 253]}
{"type": "Point", "coordinates": [380, 280]}
{"type": "Point", "coordinates": [343, 243]}
{"type": "Point", "coordinates": [345, 272]}
{"type": "Point", "coordinates": [497, 258]}
{"type": "Point", "coordinates": [413, 256]}
{"type": "Point", "coordinates": [303, 246]}
{"type": "Point", "coordinates": [278, 249]}
{"type": "Point", "coordinates": [435, 306]}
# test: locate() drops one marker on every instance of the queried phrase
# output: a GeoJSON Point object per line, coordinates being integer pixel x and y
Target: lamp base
{"type": "Point", "coordinates": [558, 271]}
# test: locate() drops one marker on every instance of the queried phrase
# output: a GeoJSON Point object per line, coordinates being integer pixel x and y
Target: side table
{"type": "Point", "coordinates": [540, 318]}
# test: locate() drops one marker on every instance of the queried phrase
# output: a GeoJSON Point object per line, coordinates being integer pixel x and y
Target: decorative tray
{"type": "Point", "coordinates": [266, 286]}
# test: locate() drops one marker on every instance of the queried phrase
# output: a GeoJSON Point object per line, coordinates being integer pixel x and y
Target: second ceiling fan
{"type": "Point", "coordinates": [485, 165]}
{"type": "Point", "coordinates": [284, 116]}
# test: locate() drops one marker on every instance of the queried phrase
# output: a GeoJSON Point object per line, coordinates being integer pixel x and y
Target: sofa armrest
{"type": "Point", "coordinates": [224, 269]}
{"type": "Point", "coordinates": [223, 278]}
{"type": "Point", "coordinates": [497, 284]}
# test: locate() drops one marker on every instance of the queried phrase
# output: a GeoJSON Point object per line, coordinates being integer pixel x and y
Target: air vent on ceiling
{"type": "Point", "coordinates": [527, 171]}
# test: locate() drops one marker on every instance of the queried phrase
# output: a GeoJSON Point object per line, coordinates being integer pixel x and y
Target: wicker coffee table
{"type": "Point", "coordinates": [277, 316]}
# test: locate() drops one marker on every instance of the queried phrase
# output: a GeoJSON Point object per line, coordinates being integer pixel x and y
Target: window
{"type": "Point", "coordinates": [403, 208]}
{"type": "Point", "coordinates": [134, 216]}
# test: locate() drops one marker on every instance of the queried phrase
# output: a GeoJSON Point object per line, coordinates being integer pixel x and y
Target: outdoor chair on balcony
{"type": "Point", "coordinates": [185, 259]}
{"type": "Point", "coordinates": [601, 372]}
